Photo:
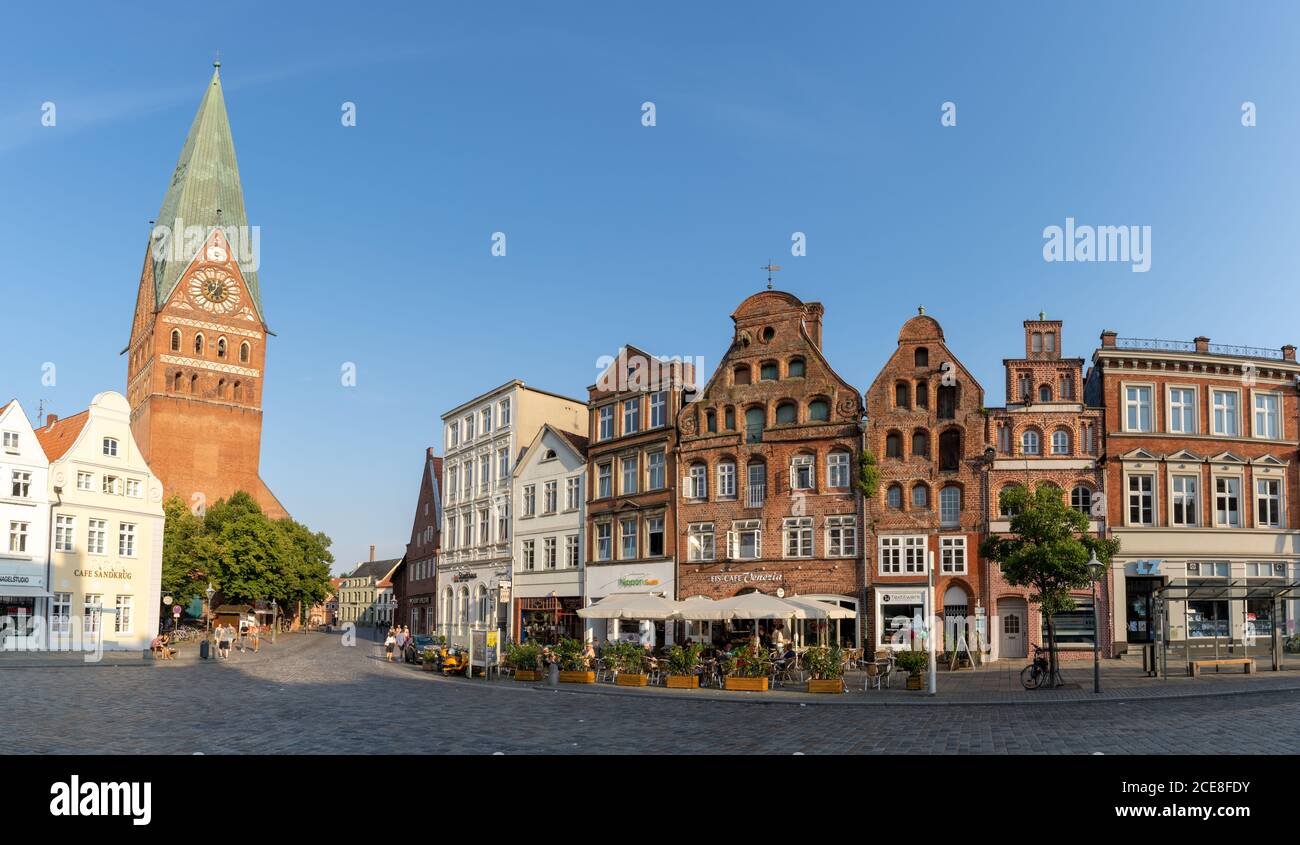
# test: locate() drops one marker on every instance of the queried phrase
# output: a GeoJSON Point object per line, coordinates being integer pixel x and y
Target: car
{"type": "Point", "coordinates": [414, 651]}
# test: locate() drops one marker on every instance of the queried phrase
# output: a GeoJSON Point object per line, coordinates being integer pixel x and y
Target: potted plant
{"type": "Point", "coordinates": [826, 668]}
{"type": "Point", "coordinates": [630, 665]}
{"type": "Point", "coordinates": [525, 659]}
{"type": "Point", "coordinates": [429, 659]}
{"type": "Point", "coordinates": [748, 669]}
{"type": "Point", "coordinates": [573, 663]}
{"type": "Point", "coordinates": [913, 662]}
{"type": "Point", "coordinates": [682, 661]}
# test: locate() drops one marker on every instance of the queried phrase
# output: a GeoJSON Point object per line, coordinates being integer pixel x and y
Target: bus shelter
{"type": "Point", "coordinates": [1213, 619]}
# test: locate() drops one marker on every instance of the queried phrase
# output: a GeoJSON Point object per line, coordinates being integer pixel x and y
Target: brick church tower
{"type": "Point", "coordinates": [197, 357]}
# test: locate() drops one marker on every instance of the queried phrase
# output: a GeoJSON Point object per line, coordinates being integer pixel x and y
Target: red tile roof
{"type": "Point", "coordinates": [57, 437]}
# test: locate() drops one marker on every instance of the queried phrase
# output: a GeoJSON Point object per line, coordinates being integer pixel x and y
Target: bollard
{"type": "Point", "coordinates": [553, 675]}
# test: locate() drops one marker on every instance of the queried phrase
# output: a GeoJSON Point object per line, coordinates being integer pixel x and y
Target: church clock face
{"type": "Point", "coordinates": [215, 291]}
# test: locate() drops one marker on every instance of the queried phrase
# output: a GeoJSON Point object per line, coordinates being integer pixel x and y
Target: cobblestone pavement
{"type": "Point", "coordinates": [309, 694]}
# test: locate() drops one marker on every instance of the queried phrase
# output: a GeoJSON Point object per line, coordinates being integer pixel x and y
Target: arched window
{"type": "Point", "coordinates": [902, 395]}
{"type": "Point", "coordinates": [950, 450]}
{"type": "Point", "coordinates": [894, 497]}
{"type": "Point", "coordinates": [795, 368]}
{"type": "Point", "coordinates": [711, 421]}
{"type": "Point", "coordinates": [484, 609]}
{"type": "Point", "coordinates": [893, 445]}
{"type": "Point", "coordinates": [769, 371]}
{"type": "Point", "coordinates": [1003, 508]}
{"type": "Point", "coordinates": [1029, 442]}
{"type": "Point", "coordinates": [176, 340]}
{"type": "Point", "coordinates": [1081, 499]}
{"type": "Point", "coordinates": [921, 357]}
{"type": "Point", "coordinates": [921, 497]}
{"type": "Point", "coordinates": [923, 394]}
{"type": "Point", "coordinates": [740, 375]}
{"type": "Point", "coordinates": [245, 352]}
{"type": "Point", "coordinates": [236, 395]}
{"type": "Point", "coordinates": [178, 382]}
{"type": "Point", "coordinates": [1044, 393]}
{"type": "Point", "coordinates": [819, 410]}
{"type": "Point", "coordinates": [920, 444]}
{"type": "Point", "coordinates": [198, 343]}
{"type": "Point", "coordinates": [221, 388]}
{"type": "Point", "coordinates": [1060, 442]}
{"type": "Point", "coordinates": [949, 506]}
{"type": "Point", "coordinates": [462, 609]}
{"type": "Point", "coordinates": [221, 347]}
{"type": "Point", "coordinates": [754, 422]}
{"type": "Point", "coordinates": [194, 383]}
{"type": "Point", "coordinates": [729, 418]}
{"type": "Point", "coordinates": [787, 412]}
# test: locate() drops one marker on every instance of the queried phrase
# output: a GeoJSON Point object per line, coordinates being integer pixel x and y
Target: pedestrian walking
{"type": "Point", "coordinates": [389, 642]}
{"type": "Point", "coordinates": [256, 637]}
{"type": "Point", "coordinates": [225, 632]}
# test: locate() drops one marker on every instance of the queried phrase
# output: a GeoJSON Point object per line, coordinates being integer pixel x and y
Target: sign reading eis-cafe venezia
{"type": "Point", "coordinates": [746, 577]}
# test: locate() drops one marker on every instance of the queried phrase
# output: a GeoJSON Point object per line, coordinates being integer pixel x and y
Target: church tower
{"type": "Point", "coordinates": [196, 362]}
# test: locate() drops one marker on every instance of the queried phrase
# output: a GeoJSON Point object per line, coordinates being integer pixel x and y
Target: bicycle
{"type": "Point", "coordinates": [1036, 674]}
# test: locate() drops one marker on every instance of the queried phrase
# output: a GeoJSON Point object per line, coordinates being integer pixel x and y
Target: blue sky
{"type": "Point", "coordinates": [525, 118]}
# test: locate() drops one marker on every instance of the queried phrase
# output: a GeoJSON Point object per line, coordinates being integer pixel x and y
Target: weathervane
{"type": "Point", "coordinates": [770, 268]}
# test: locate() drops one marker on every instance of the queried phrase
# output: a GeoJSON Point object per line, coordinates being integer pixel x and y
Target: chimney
{"type": "Point", "coordinates": [1288, 353]}
{"type": "Point", "coordinates": [51, 419]}
{"type": "Point", "coordinates": [372, 552]}
{"type": "Point", "coordinates": [1108, 338]}
{"type": "Point", "coordinates": [1202, 343]}
{"type": "Point", "coordinates": [813, 322]}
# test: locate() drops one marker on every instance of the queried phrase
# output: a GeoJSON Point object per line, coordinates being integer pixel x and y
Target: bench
{"type": "Point", "coordinates": [1194, 666]}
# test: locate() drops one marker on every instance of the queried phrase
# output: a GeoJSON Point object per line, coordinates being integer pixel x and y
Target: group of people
{"type": "Point", "coordinates": [161, 648]}
{"type": "Point", "coordinates": [245, 636]}
{"type": "Point", "coordinates": [398, 637]}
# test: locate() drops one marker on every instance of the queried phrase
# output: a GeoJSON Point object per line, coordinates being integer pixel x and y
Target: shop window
{"type": "Point", "coordinates": [1207, 619]}
{"type": "Point", "coordinates": [1078, 626]}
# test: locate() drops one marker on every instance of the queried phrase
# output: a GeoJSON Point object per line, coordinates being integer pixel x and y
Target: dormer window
{"type": "Point", "coordinates": [110, 447]}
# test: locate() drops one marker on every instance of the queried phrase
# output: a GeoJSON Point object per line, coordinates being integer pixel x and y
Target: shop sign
{"type": "Point", "coordinates": [419, 600]}
{"type": "Point", "coordinates": [903, 597]}
{"type": "Point", "coordinates": [745, 577]}
{"type": "Point", "coordinates": [464, 576]}
{"type": "Point", "coordinates": [111, 574]}
{"type": "Point", "coordinates": [637, 579]}
{"type": "Point", "coordinates": [1147, 567]}
{"type": "Point", "coordinates": [20, 579]}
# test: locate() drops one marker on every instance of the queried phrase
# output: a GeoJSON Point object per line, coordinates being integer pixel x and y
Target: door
{"type": "Point", "coordinates": [1013, 619]}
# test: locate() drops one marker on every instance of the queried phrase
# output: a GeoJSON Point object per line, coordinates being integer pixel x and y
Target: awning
{"type": "Point", "coordinates": [1211, 589]}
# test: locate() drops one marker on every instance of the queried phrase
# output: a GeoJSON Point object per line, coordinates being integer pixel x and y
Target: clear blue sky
{"type": "Point", "coordinates": [525, 118]}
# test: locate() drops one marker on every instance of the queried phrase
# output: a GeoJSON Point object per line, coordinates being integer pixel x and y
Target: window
{"type": "Point", "coordinates": [550, 496]}
{"type": "Point", "coordinates": [950, 450]}
{"type": "Point", "coordinates": [503, 413]}
{"type": "Point", "coordinates": [95, 533]}
{"type": "Point", "coordinates": [1066, 388]}
{"type": "Point", "coordinates": [1089, 443]}
{"type": "Point", "coordinates": [768, 371]}
{"type": "Point", "coordinates": [503, 520]}
{"type": "Point", "coordinates": [61, 617]}
{"type": "Point", "coordinates": [798, 533]}
{"type": "Point", "coordinates": [700, 540]}
{"type": "Point", "coordinates": [605, 414]}
{"type": "Point", "coordinates": [1208, 569]}
{"type": "Point", "coordinates": [1023, 386]}
{"type": "Point", "coordinates": [654, 536]}
{"type": "Point", "coordinates": [893, 445]}
{"type": "Point", "coordinates": [629, 470]}
{"type": "Point", "coordinates": [795, 368]}
{"type": "Point", "coordinates": [221, 347]}
{"type": "Point", "coordinates": [921, 497]}
{"type": "Point", "coordinates": [1044, 393]}
{"type": "Point", "coordinates": [756, 490]}
{"type": "Point", "coordinates": [110, 447]}
{"type": "Point", "coordinates": [571, 551]}
{"type": "Point", "coordinates": [920, 444]}
{"type": "Point", "coordinates": [1266, 570]}
{"type": "Point", "coordinates": [122, 625]}
{"type": "Point", "coordinates": [659, 409]}
{"type": "Point", "coordinates": [952, 555]}
{"type": "Point", "coordinates": [176, 340]}
{"type": "Point", "coordinates": [1225, 413]}
{"type": "Point", "coordinates": [198, 344]}
{"type": "Point", "coordinates": [787, 413]}
{"type": "Point", "coordinates": [902, 395]}
{"type": "Point", "coordinates": [530, 500]}
{"type": "Point", "coordinates": [1266, 416]}
{"type": "Point", "coordinates": [572, 493]}
{"type": "Point", "coordinates": [484, 473]}
{"type": "Point", "coordinates": [18, 537]}
{"type": "Point", "coordinates": [548, 550]}
{"type": "Point", "coordinates": [1049, 341]}
{"type": "Point", "coordinates": [1140, 498]}
{"type": "Point", "coordinates": [1078, 626]}
{"type": "Point", "coordinates": [603, 530]}
{"type": "Point", "coordinates": [485, 420]}
{"type": "Point", "coordinates": [468, 534]}
{"type": "Point", "coordinates": [20, 484]}
{"type": "Point", "coordinates": [451, 530]}
{"type": "Point", "coordinates": [453, 434]}
{"type": "Point", "coordinates": [1081, 499]}
{"type": "Point", "coordinates": [1183, 496]}
{"type": "Point", "coordinates": [837, 469]}
{"type": "Point", "coordinates": [902, 555]}
{"type": "Point", "coordinates": [923, 394]}
{"type": "Point", "coordinates": [1029, 442]}
{"type": "Point", "coordinates": [469, 427]}
{"type": "Point", "coordinates": [63, 533]}
{"type": "Point", "coordinates": [245, 352]}
{"type": "Point", "coordinates": [746, 540]}
{"type": "Point", "coordinates": [740, 375]}
{"type": "Point", "coordinates": [112, 485]}
{"type": "Point", "coordinates": [1182, 410]}
{"type": "Point", "coordinates": [1060, 442]}
{"type": "Point", "coordinates": [921, 357]}
{"type": "Point", "coordinates": [711, 421]}
{"type": "Point", "coordinates": [468, 476]}
{"type": "Point", "coordinates": [697, 482]}
{"type": "Point", "coordinates": [631, 415]}
{"type": "Point", "coordinates": [947, 397]}
{"type": "Point", "coordinates": [1227, 502]}
{"type": "Point", "coordinates": [950, 506]}
{"type": "Point", "coordinates": [1036, 342]}
{"type": "Point", "coordinates": [801, 472]}
{"type": "Point", "coordinates": [90, 612]}
{"type": "Point", "coordinates": [841, 536]}
{"type": "Point", "coordinates": [627, 539]}
{"type": "Point", "coordinates": [754, 425]}
{"type": "Point", "coordinates": [1268, 503]}
{"type": "Point", "coordinates": [1137, 409]}
{"type": "Point", "coordinates": [1004, 509]}
{"type": "Point", "coordinates": [894, 497]}
{"type": "Point", "coordinates": [819, 410]}
{"type": "Point", "coordinates": [604, 481]}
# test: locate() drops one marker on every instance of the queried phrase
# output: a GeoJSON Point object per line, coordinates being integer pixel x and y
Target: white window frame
{"type": "Point", "coordinates": [656, 469]}
{"type": "Point", "coordinates": [571, 553]}
{"type": "Point", "coordinates": [1262, 497]}
{"type": "Point", "coordinates": [1130, 494]}
{"type": "Point", "coordinates": [605, 422]}
{"type": "Point", "coordinates": [1137, 404]}
{"type": "Point", "coordinates": [1060, 442]}
{"type": "Point", "coordinates": [550, 553]}
{"type": "Point", "coordinates": [605, 480]}
{"type": "Point", "coordinates": [604, 538]}
{"type": "Point", "coordinates": [952, 555]}
{"type": "Point", "coordinates": [529, 501]}
{"type": "Point", "coordinates": [746, 526]}
{"type": "Point", "coordinates": [18, 536]}
{"type": "Point", "coordinates": [86, 481]}
{"type": "Point", "coordinates": [955, 520]}
{"type": "Point", "coordinates": [697, 481]}
{"type": "Point", "coordinates": [573, 493]}
{"type": "Point", "coordinates": [110, 447]}
{"type": "Point", "coordinates": [1276, 415]}
{"type": "Point", "coordinates": [503, 413]}
{"type": "Point", "coordinates": [1189, 409]}
{"type": "Point", "coordinates": [799, 466]}
{"type": "Point", "coordinates": [650, 521]}
{"type": "Point", "coordinates": [1176, 496]}
{"type": "Point", "coordinates": [11, 441]}
{"type": "Point", "coordinates": [701, 541]}
{"type": "Point", "coordinates": [96, 536]}
{"type": "Point", "coordinates": [841, 536]}
{"type": "Point", "coordinates": [632, 415]}
{"type": "Point", "coordinates": [550, 497]}
{"type": "Point", "coordinates": [528, 551]}
{"type": "Point", "coordinates": [20, 483]}
{"type": "Point", "coordinates": [1216, 409]}
{"type": "Point", "coordinates": [726, 480]}
{"type": "Point", "coordinates": [837, 469]}
{"type": "Point", "coordinates": [901, 554]}
{"type": "Point", "coordinates": [624, 535]}
{"type": "Point", "coordinates": [65, 533]}
{"type": "Point", "coordinates": [797, 534]}
{"type": "Point", "coordinates": [1028, 436]}
{"type": "Point", "coordinates": [1239, 480]}
{"type": "Point", "coordinates": [628, 471]}
{"type": "Point", "coordinates": [658, 409]}
{"type": "Point", "coordinates": [122, 622]}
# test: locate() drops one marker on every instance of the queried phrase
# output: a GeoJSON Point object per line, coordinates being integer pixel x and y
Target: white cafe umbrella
{"type": "Point", "coordinates": [631, 606]}
{"type": "Point", "coordinates": [818, 609]}
{"type": "Point", "coordinates": [749, 606]}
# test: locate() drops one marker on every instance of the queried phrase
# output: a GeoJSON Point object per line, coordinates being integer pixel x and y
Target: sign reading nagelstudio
{"type": "Point", "coordinates": [21, 579]}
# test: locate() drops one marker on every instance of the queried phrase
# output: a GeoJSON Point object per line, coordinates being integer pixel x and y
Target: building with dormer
{"type": "Point", "coordinates": [25, 523]}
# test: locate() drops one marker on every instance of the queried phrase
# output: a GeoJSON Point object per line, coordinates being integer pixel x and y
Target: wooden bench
{"type": "Point", "coordinates": [1194, 666]}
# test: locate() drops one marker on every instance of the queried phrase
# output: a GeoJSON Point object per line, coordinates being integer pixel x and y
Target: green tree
{"type": "Point", "coordinates": [306, 576]}
{"type": "Point", "coordinates": [1048, 550]}
{"type": "Point", "coordinates": [253, 554]}
{"type": "Point", "coordinates": [182, 576]}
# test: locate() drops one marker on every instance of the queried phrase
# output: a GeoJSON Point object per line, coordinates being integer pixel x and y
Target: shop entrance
{"type": "Point", "coordinates": [1139, 623]}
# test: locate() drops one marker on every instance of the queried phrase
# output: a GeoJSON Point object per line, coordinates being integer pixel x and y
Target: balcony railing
{"type": "Point", "coordinates": [755, 495]}
{"type": "Point", "coordinates": [1190, 346]}
{"type": "Point", "coordinates": [1246, 351]}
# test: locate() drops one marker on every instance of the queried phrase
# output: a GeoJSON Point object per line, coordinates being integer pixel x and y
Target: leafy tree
{"type": "Point", "coordinates": [1048, 550]}
{"type": "Point", "coordinates": [182, 576]}
{"type": "Point", "coordinates": [306, 576]}
{"type": "Point", "coordinates": [226, 510]}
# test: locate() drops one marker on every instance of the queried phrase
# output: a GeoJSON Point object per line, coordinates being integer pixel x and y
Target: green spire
{"type": "Point", "coordinates": [204, 191]}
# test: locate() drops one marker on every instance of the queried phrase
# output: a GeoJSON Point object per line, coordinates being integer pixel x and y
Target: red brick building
{"type": "Point", "coordinates": [1045, 435]}
{"type": "Point", "coordinates": [196, 359]}
{"type": "Point", "coordinates": [926, 424]}
{"type": "Point", "coordinates": [414, 580]}
{"type": "Point", "coordinates": [768, 454]}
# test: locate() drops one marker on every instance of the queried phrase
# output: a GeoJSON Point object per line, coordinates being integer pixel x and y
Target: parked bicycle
{"type": "Point", "coordinates": [1037, 673]}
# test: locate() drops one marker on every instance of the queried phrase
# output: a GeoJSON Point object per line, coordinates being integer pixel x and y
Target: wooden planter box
{"type": "Point", "coordinates": [915, 682]}
{"type": "Point", "coordinates": [527, 675]}
{"type": "Point", "coordinates": [834, 686]}
{"type": "Point", "coordinates": [631, 680]}
{"type": "Point", "coordinates": [683, 681]}
{"type": "Point", "coordinates": [746, 684]}
{"type": "Point", "coordinates": [577, 677]}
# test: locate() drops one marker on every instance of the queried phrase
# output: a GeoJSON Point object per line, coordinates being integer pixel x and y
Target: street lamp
{"type": "Point", "coordinates": [210, 592]}
{"type": "Point", "coordinates": [1095, 570]}
{"type": "Point", "coordinates": [275, 619]}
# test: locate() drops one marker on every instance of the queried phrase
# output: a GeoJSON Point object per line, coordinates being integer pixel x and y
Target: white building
{"type": "Point", "coordinates": [482, 439]}
{"type": "Point", "coordinates": [549, 510]}
{"type": "Point", "coordinates": [25, 520]}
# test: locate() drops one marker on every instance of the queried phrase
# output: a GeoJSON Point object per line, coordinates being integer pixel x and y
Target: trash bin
{"type": "Point", "coordinates": [553, 675]}
{"type": "Point", "coordinates": [203, 650]}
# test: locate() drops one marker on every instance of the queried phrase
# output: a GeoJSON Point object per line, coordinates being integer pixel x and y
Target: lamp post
{"type": "Point", "coordinates": [275, 619]}
{"type": "Point", "coordinates": [1095, 570]}
{"type": "Point", "coordinates": [210, 592]}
